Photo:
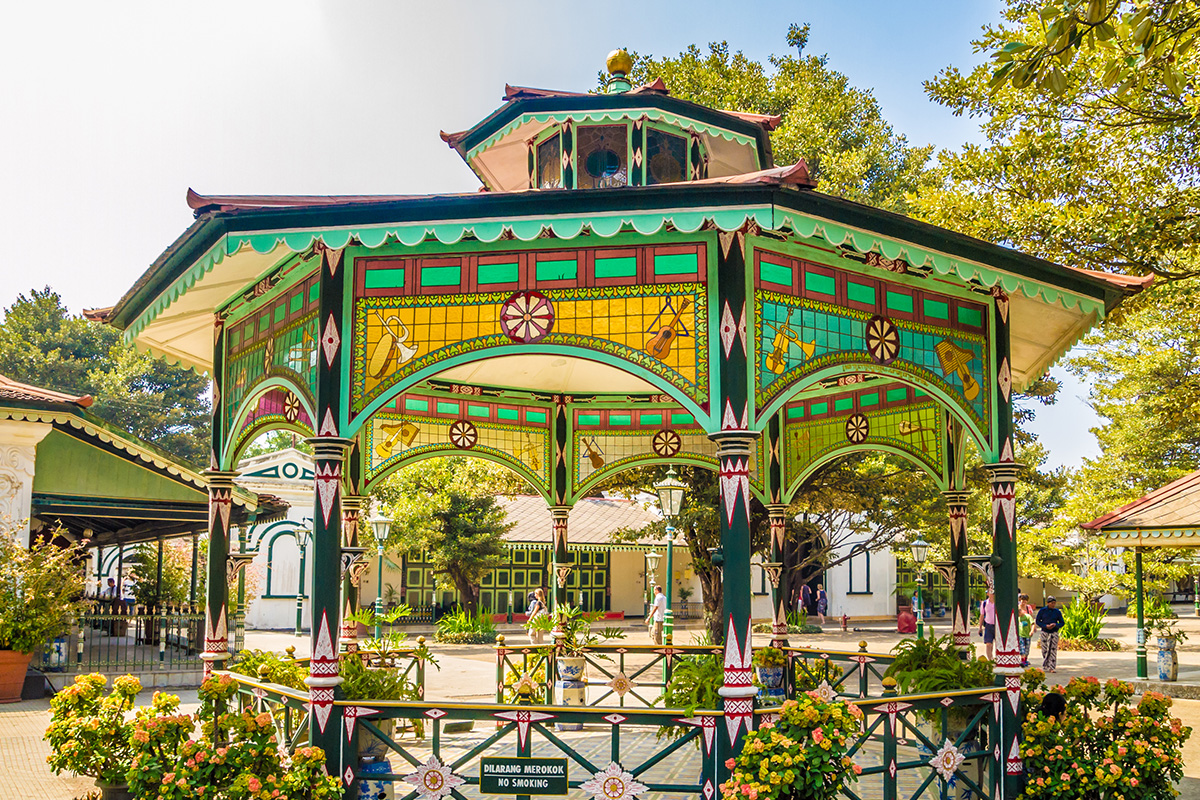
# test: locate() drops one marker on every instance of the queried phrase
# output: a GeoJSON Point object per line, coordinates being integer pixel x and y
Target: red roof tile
{"type": "Point", "coordinates": [12, 390]}
{"type": "Point", "coordinates": [1177, 503]}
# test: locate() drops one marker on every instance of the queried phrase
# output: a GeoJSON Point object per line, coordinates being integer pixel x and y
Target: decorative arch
{"type": "Point", "coordinates": [260, 534]}
{"type": "Point", "coordinates": [854, 379]}
{"type": "Point", "coordinates": [798, 480]}
{"type": "Point", "coordinates": [275, 532]}
{"type": "Point", "coordinates": [416, 458]}
{"type": "Point", "coordinates": [413, 380]}
{"type": "Point", "coordinates": [888, 416]}
{"type": "Point", "coordinates": [278, 403]}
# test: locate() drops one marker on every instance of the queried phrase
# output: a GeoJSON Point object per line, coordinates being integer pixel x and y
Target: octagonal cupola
{"type": "Point", "coordinates": [623, 136]}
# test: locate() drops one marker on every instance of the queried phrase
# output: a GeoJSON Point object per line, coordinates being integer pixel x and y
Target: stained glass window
{"type": "Point", "coordinates": [602, 153]}
{"type": "Point", "coordinates": [549, 163]}
{"type": "Point", "coordinates": [666, 157]}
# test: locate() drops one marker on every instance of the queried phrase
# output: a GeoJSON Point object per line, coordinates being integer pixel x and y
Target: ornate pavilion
{"type": "Point", "coordinates": [636, 282]}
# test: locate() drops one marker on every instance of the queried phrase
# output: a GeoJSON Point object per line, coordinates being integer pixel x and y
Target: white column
{"type": "Point", "coordinates": [18, 456]}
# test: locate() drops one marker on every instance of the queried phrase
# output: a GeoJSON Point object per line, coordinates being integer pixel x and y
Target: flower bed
{"type": "Point", "coordinates": [802, 755]}
{"type": "Point", "coordinates": [1102, 744]}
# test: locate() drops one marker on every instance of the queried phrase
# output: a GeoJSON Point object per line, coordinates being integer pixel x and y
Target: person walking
{"type": "Point", "coordinates": [1050, 621]}
{"type": "Point", "coordinates": [1025, 614]}
{"type": "Point", "coordinates": [658, 613]}
{"type": "Point", "coordinates": [822, 602]}
{"type": "Point", "coordinates": [987, 623]}
{"type": "Point", "coordinates": [805, 599]}
{"type": "Point", "coordinates": [537, 607]}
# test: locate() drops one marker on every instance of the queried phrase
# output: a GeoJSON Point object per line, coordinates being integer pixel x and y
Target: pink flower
{"type": "Point", "coordinates": [818, 737]}
{"type": "Point", "coordinates": [857, 769]}
{"type": "Point", "coordinates": [254, 784]}
{"type": "Point", "coordinates": [730, 763]}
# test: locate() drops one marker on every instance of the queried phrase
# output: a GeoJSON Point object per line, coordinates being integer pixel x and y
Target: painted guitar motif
{"type": "Point", "coordinates": [659, 345]}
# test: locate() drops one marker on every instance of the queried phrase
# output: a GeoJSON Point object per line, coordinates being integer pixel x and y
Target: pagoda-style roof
{"type": "Point", "coordinates": [236, 240]}
{"type": "Point", "coordinates": [1166, 517]}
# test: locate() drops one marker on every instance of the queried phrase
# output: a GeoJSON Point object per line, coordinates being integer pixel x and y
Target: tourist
{"type": "Point", "coordinates": [530, 599]}
{"type": "Point", "coordinates": [658, 613]}
{"type": "Point", "coordinates": [822, 602]}
{"type": "Point", "coordinates": [537, 607]}
{"type": "Point", "coordinates": [805, 599]}
{"type": "Point", "coordinates": [987, 623]}
{"type": "Point", "coordinates": [1049, 621]}
{"type": "Point", "coordinates": [1025, 614]}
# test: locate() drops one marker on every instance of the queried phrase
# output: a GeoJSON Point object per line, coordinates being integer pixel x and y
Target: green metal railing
{"type": "Point", "coordinates": [124, 638]}
{"type": "Point", "coordinates": [900, 735]}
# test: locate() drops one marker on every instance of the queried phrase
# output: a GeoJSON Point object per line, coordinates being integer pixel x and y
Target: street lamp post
{"type": "Point", "coordinates": [670, 499]}
{"type": "Point", "coordinates": [380, 525]}
{"type": "Point", "coordinates": [920, 549]}
{"type": "Point", "coordinates": [303, 535]}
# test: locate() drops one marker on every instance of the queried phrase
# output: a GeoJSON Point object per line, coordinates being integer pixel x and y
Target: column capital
{"type": "Point", "coordinates": [330, 446]}
{"type": "Point", "coordinates": [353, 503]}
{"type": "Point", "coordinates": [735, 442]}
{"type": "Point", "coordinates": [1004, 472]}
{"type": "Point", "coordinates": [777, 509]}
{"type": "Point", "coordinates": [220, 478]}
{"type": "Point", "coordinates": [560, 512]}
{"type": "Point", "coordinates": [957, 497]}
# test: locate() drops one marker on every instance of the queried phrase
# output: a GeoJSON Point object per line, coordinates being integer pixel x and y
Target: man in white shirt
{"type": "Point", "coordinates": [658, 612]}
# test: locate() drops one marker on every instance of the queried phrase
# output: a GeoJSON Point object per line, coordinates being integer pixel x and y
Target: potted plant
{"type": "Point", "coordinates": [571, 628]}
{"type": "Point", "coordinates": [769, 664]}
{"type": "Point", "coordinates": [89, 732]}
{"type": "Point", "coordinates": [933, 665]}
{"type": "Point", "coordinates": [1166, 631]}
{"type": "Point", "coordinates": [41, 596]}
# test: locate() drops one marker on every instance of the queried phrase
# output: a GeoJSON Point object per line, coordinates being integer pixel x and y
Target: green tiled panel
{"type": "Point", "coordinates": [675, 264]}
{"type": "Point", "coordinates": [497, 273]}
{"type": "Point", "coordinates": [411, 404]}
{"type": "Point", "coordinates": [860, 293]}
{"type": "Point", "coordinates": [869, 400]}
{"type": "Point", "coordinates": [897, 394]}
{"type": "Point", "coordinates": [820, 408]}
{"type": "Point", "coordinates": [900, 302]}
{"type": "Point", "coordinates": [447, 408]}
{"type": "Point", "coordinates": [682, 419]}
{"type": "Point", "coordinates": [650, 419]}
{"type": "Point", "coordinates": [936, 309]}
{"type": "Point", "coordinates": [823, 284]}
{"type": "Point", "coordinates": [624, 267]}
{"type": "Point", "coordinates": [620, 419]}
{"type": "Point", "coordinates": [589, 419]}
{"type": "Point", "coordinates": [507, 414]}
{"type": "Point", "coordinates": [297, 303]}
{"type": "Point", "coordinates": [441, 276]}
{"type": "Point", "coordinates": [535, 416]}
{"type": "Point", "coordinates": [775, 273]}
{"type": "Point", "coordinates": [386, 278]}
{"type": "Point", "coordinates": [843, 404]}
{"type": "Point", "coordinates": [558, 270]}
{"type": "Point", "coordinates": [970, 316]}
{"type": "Point", "coordinates": [478, 411]}
{"type": "Point", "coordinates": [796, 412]}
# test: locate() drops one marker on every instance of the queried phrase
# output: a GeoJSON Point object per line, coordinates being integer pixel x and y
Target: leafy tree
{"type": "Point", "coordinates": [1144, 45]}
{"type": "Point", "coordinates": [42, 344]}
{"type": "Point", "coordinates": [1086, 172]}
{"type": "Point", "coordinates": [274, 441]}
{"type": "Point", "coordinates": [448, 508]}
{"type": "Point", "coordinates": [837, 128]}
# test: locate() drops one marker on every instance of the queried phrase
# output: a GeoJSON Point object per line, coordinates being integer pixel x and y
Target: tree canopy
{"type": "Point", "coordinates": [837, 128]}
{"type": "Point", "coordinates": [448, 508]}
{"type": "Point", "coordinates": [43, 344]}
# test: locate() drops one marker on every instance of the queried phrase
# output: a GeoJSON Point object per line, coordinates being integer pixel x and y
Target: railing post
{"type": "Point", "coordinates": [862, 671]}
{"type": "Point", "coordinates": [500, 668]}
{"type": "Point", "coordinates": [889, 742]}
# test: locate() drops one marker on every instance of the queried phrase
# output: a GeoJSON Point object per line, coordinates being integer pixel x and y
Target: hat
{"type": "Point", "coordinates": [1050, 599]}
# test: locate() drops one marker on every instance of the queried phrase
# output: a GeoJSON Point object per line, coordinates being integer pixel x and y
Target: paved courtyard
{"type": "Point", "coordinates": [467, 674]}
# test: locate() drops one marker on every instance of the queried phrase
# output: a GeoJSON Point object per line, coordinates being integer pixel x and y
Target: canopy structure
{"type": "Point", "coordinates": [1166, 517]}
{"type": "Point", "coordinates": [66, 468]}
{"type": "Point", "coordinates": [637, 283]}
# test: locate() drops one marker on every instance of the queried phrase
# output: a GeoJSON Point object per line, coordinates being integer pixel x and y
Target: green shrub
{"type": "Point", "coordinates": [1083, 620]}
{"type": "Point", "coordinates": [694, 684]}
{"type": "Point", "coordinates": [463, 628]}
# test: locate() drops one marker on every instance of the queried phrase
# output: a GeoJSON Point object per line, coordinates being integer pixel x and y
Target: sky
{"type": "Point", "coordinates": [112, 110]}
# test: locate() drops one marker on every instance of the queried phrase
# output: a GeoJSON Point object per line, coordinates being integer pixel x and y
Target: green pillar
{"type": "Point", "coordinates": [735, 454]}
{"type": "Point", "coordinates": [1141, 615]}
{"type": "Point", "coordinates": [216, 617]}
{"type": "Point", "coordinates": [351, 509]}
{"type": "Point", "coordinates": [562, 565]}
{"type": "Point", "coordinates": [1003, 474]}
{"type": "Point", "coordinates": [668, 616]}
{"type": "Point", "coordinates": [777, 515]}
{"type": "Point", "coordinates": [195, 568]}
{"type": "Point", "coordinates": [330, 449]}
{"type": "Point", "coordinates": [960, 593]}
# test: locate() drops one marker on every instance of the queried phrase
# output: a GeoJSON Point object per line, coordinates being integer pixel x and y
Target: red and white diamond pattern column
{"type": "Point", "coordinates": [1003, 474]}
{"type": "Point", "coordinates": [351, 509]}
{"type": "Point", "coordinates": [956, 503]}
{"type": "Point", "coordinates": [216, 617]}
{"type": "Point", "coordinates": [562, 558]}
{"type": "Point", "coordinates": [777, 516]}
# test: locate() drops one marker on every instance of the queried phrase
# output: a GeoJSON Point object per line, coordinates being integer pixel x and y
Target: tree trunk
{"type": "Point", "coordinates": [466, 593]}
{"type": "Point", "coordinates": [712, 592]}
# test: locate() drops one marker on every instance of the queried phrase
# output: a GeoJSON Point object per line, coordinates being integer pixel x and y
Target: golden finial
{"type": "Point", "coordinates": [618, 61]}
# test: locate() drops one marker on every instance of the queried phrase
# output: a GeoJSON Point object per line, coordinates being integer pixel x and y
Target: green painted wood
{"type": "Point", "coordinates": [110, 475]}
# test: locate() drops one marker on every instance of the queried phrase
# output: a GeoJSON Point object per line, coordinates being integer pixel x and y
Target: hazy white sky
{"type": "Point", "coordinates": [112, 110]}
